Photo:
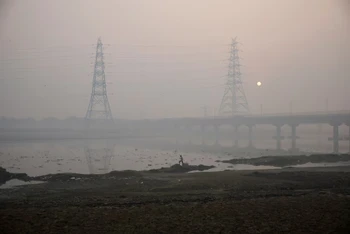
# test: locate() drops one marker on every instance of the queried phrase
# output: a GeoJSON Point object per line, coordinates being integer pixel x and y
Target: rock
{"type": "Point", "coordinates": [5, 176]}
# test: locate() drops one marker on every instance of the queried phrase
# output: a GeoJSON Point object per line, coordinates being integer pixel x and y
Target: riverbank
{"type": "Point", "coordinates": [290, 160]}
{"type": "Point", "coordinates": [291, 200]}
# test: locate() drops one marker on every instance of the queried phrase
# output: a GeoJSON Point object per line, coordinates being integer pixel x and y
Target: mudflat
{"type": "Point", "coordinates": [290, 200]}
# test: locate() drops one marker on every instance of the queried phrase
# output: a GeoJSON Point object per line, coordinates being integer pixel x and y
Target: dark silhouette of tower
{"type": "Point", "coordinates": [99, 108]}
{"type": "Point", "coordinates": [234, 101]}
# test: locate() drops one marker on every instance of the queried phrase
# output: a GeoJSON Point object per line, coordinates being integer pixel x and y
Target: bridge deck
{"type": "Point", "coordinates": [333, 118]}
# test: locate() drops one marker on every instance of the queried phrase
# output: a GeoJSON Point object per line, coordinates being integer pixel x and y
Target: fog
{"type": "Point", "coordinates": [169, 58]}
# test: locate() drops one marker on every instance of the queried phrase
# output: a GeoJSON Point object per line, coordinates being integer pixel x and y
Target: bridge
{"type": "Point", "coordinates": [174, 126]}
{"type": "Point", "coordinates": [335, 119]}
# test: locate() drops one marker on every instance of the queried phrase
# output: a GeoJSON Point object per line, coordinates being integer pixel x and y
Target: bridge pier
{"type": "Point", "coordinates": [336, 137]}
{"type": "Point", "coordinates": [294, 137]}
{"type": "Point", "coordinates": [278, 137]}
{"type": "Point", "coordinates": [334, 119]}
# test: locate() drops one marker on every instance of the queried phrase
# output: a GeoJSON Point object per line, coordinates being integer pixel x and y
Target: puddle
{"type": "Point", "coordinates": [14, 183]}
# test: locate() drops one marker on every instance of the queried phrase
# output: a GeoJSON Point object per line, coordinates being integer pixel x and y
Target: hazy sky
{"type": "Point", "coordinates": [168, 58]}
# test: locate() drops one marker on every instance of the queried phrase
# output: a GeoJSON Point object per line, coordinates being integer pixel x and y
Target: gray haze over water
{"type": "Point", "coordinates": [169, 58]}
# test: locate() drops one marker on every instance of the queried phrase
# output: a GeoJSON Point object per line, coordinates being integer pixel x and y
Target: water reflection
{"type": "Point", "coordinates": [98, 155]}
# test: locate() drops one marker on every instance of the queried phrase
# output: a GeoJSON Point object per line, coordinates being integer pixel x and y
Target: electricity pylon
{"type": "Point", "coordinates": [234, 101]}
{"type": "Point", "coordinates": [99, 108]}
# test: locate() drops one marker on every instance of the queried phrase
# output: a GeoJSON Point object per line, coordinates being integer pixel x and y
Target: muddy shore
{"type": "Point", "coordinates": [291, 160]}
{"type": "Point", "coordinates": [288, 200]}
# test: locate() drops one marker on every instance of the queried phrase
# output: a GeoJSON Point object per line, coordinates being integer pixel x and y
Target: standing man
{"type": "Point", "coordinates": [181, 162]}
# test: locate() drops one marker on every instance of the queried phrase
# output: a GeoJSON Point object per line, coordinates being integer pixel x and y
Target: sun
{"type": "Point", "coordinates": [258, 83]}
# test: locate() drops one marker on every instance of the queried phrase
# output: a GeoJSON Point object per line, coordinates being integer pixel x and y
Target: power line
{"type": "Point", "coordinates": [37, 58]}
{"type": "Point", "coordinates": [168, 45]}
{"type": "Point", "coordinates": [53, 47]}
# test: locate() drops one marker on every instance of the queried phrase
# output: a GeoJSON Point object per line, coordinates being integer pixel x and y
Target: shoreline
{"type": "Point", "coordinates": [287, 200]}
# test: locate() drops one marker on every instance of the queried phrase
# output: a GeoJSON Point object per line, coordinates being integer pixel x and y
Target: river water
{"type": "Point", "coordinates": [101, 156]}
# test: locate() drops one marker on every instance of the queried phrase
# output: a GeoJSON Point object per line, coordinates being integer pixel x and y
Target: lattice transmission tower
{"type": "Point", "coordinates": [99, 108]}
{"type": "Point", "coordinates": [234, 101]}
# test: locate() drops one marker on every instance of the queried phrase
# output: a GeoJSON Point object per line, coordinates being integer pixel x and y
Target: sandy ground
{"type": "Point", "coordinates": [289, 200]}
